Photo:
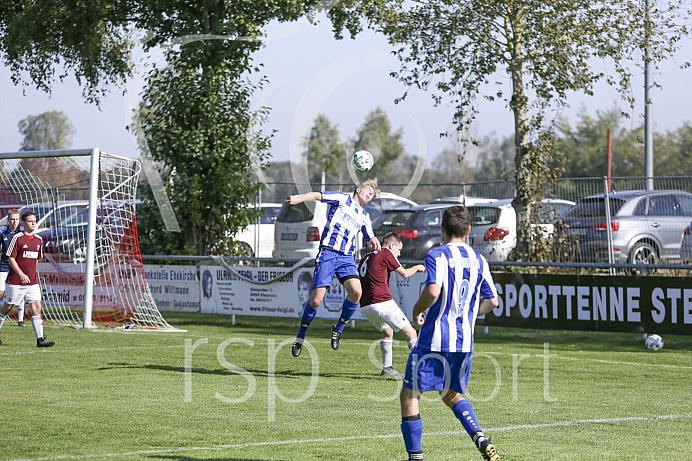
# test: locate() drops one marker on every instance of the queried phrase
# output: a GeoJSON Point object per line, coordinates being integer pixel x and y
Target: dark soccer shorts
{"type": "Point", "coordinates": [436, 371]}
{"type": "Point", "coordinates": [329, 263]}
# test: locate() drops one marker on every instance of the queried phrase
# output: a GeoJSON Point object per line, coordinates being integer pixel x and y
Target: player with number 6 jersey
{"type": "Point", "coordinates": [377, 304]}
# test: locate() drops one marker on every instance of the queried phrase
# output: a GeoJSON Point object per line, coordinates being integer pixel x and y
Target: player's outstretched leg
{"type": "Point", "coordinates": [308, 315]}
{"type": "Point", "coordinates": [465, 414]}
{"type": "Point", "coordinates": [347, 311]}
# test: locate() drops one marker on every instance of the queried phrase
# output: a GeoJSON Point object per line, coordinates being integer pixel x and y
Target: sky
{"type": "Point", "coordinates": [311, 73]}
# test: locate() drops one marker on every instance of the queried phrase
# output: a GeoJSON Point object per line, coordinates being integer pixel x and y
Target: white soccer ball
{"type": "Point", "coordinates": [363, 160]}
{"type": "Point", "coordinates": [654, 342]}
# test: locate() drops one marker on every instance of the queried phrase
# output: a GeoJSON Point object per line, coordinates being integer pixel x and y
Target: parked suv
{"type": "Point", "coordinates": [646, 227]}
{"type": "Point", "coordinates": [298, 229]}
{"type": "Point", "coordinates": [419, 225]}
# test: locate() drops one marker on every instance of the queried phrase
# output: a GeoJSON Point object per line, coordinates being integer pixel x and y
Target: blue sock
{"type": "Point", "coordinates": [347, 312]}
{"type": "Point", "coordinates": [464, 413]}
{"type": "Point", "coordinates": [308, 315]}
{"type": "Point", "coordinates": [412, 430]}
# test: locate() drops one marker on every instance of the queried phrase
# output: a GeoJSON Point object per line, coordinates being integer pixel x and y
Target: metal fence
{"type": "Point", "coordinates": [612, 227]}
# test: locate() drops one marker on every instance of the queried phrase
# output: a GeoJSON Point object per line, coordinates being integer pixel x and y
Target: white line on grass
{"type": "Point", "coordinates": [359, 437]}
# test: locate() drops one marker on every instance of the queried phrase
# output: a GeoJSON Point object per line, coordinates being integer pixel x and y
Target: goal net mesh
{"type": "Point", "coordinates": [56, 189]}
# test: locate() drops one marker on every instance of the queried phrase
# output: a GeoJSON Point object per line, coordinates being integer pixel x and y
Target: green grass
{"type": "Point", "coordinates": [123, 395]}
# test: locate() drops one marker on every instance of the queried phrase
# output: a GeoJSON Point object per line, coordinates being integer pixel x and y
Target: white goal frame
{"type": "Point", "coordinates": [93, 204]}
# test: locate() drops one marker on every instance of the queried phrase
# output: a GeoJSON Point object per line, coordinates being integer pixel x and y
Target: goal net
{"type": "Point", "coordinates": [85, 203]}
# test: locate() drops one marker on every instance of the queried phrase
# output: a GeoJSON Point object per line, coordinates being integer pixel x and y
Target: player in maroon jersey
{"type": "Point", "coordinates": [376, 301]}
{"type": "Point", "coordinates": [24, 251]}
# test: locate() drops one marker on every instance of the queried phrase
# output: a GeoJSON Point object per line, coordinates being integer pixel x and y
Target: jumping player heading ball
{"type": "Point", "coordinates": [345, 219]}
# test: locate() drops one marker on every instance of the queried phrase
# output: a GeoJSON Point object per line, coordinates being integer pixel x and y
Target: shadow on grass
{"type": "Point", "coordinates": [253, 372]}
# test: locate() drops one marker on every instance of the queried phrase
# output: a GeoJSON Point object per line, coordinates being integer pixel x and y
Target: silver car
{"type": "Point", "coordinates": [645, 227]}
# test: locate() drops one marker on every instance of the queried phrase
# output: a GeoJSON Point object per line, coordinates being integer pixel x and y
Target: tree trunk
{"type": "Point", "coordinates": [518, 105]}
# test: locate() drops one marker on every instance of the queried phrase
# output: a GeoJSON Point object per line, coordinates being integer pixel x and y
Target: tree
{"type": "Point", "coordinates": [585, 147]}
{"type": "Point", "coordinates": [457, 49]}
{"type": "Point", "coordinates": [376, 136]}
{"type": "Point", "coordinates": [89, 39]}
{"type": "Point", "coordinates": [674, 152]}
{"type": "Point", "coordinates": [495, 159]}
{"type": "Point", "coordinates": [52, 131]}
{"type": "Point", "coordinates": [325, 153]}
{"type": "Point", "coordinates": [198, 124]}
{"type": "Point", "coordinates": [196, 118]}
{"type": "Point", "coordinates": [47, 131]}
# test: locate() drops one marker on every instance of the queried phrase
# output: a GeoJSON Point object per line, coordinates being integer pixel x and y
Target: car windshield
{"type": "Point", "coordinates": [394, 218]}
{"type": "Point", "coordinates": [80, 218]}
{"type": "Point", "coordinates": [484, 215]}
{"type": "Point", "coordinates": [269, 215]}
{"type": "Point", "coordinates": [295, 213]}
{"type": "Point", "coordinates": [594, 207]}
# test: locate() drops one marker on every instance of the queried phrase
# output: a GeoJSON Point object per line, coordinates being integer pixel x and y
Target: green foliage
{"type": "Point", "coordinates": [456, 49]}
{"type": "Point", "coordinates": [496, 159]}
{"type": "Point", "coordinates": [538, 173]}
{"type": "Point", "coordinates": [89, 39]}
{"type": "Point", "coordinates": [325, 153]}
{"type": "Point", "coordinates": [157, 396]}
{"type": "Point", "coordinates": [673, 152]}
{"type": "Point", "coordinates": [196, 116]}
{"type": "Point", "coordinates": [586, 144]}
{"type": "Point", "coordinates": [375, 136]}
{"type": "Point", "coordinates": [198, 124]}
{"type": "Point", "coordinates": [47, 131]}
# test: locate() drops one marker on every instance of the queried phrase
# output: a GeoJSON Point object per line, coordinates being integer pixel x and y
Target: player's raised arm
{"type": "Point", "coordinates": [307, 197]}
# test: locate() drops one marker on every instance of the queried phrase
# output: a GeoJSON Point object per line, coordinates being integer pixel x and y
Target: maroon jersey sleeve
{"type": "Point", "coordinates": [374, 271]}
{"type": "Point", "coordinates": [26, 251]}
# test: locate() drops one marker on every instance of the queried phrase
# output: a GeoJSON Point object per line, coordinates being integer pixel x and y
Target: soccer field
{"type": "Point", "coordinates": [540, 395]}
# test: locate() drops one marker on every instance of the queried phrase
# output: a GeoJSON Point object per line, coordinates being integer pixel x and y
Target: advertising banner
{"type": "Point", "coordinates": [599, 303]}
{"type": "Point", "coordinates": [225, 293]}
{"type": "Point", "coordinates": [174, 288]}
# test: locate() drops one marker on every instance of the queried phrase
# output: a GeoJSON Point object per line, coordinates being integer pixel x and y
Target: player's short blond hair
{"type": "Point", "coordinates": [370, 183]}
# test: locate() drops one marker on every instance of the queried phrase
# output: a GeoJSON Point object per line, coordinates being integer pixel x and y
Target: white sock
{"type": "Point", "coordinates": [37, 323]}
{"type": "Point", "coordinates": [386, 348]}
{"type": "Point", "coordinates": [2, 320]}
{"type": "Point", "coordinates": [412, 344]}
{"type": "Point", "coordinates": [20, 313]}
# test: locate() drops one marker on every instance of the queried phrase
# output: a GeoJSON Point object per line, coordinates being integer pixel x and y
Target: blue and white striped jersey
{"type": "Point", "coordinates": [344, 219]}
{"type": "Point", "coordinates": [5, 239]}
{"type": "Point", "coordinates": [465, 279]}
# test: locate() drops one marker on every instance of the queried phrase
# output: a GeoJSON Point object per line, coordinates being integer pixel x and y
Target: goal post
{"type": "Point", "coordinates": [85, 203]}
